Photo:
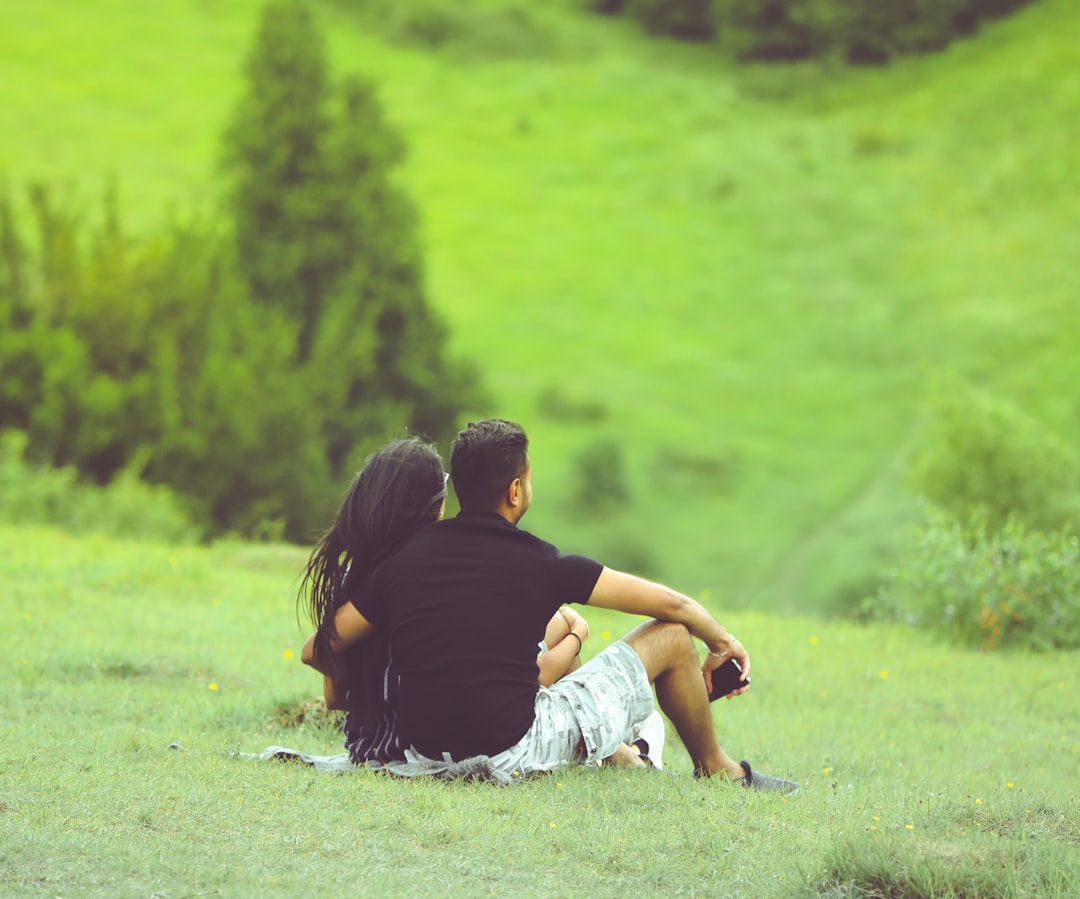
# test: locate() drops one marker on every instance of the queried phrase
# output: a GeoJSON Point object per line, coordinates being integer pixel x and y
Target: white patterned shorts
{"type": "Point", "coordinates": [580, 720]}
{"type": "Point", "coordinates": [606, 698]}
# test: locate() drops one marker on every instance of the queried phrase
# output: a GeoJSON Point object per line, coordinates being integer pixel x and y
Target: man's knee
{"type": "Point", "coordinates": [662, 645]}
{"type": "Point", "coordinates": [666, 633]}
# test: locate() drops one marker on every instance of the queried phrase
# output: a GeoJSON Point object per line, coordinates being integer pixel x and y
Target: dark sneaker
{"type": "Point", "coordinates": [763, 782]}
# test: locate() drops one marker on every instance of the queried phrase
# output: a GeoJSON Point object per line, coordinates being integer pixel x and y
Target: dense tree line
{"type": "Point", "coordinates": [859, 31]}
{"type": "Point", "coordinates": [249, 363]}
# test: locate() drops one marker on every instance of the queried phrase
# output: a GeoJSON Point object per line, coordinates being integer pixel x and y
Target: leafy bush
{"type": "Point", "coordinates": [146, 356]}
{"type": "Point", "coordinates": [869, 32]}
{"type": "Point", "coordinates": [54, 496]}
{"type": "Point", "coordinates": [462, 28]}
{"type": "Point", "coordinates": [767, 30]}
{"type": "Point", "coordinates": [996, 562]}
{"type": "Point", "coordinates": [859, 31]}
{"type": "Point", "coordinates": [1010, 588]}
{"type": "Point", "coordinates": [561, 405]}
{"type": "Point", "coordinates": [982, 458]}
{"type": "Point", "coordinates": [601, 485]}
{"type": "Point", "coordinates": [688, 19]}
{"type": "Point", "coordinates": [604, 7]}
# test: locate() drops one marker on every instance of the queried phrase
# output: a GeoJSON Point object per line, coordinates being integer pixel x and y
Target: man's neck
{"type": "Point", "coordinates": [503, 513]}
{"type": "Point", "coordinates": [509, 513]}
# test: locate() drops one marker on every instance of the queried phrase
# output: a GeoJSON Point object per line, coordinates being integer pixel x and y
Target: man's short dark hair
{"type": "Point", "coordinates": [484, 459]}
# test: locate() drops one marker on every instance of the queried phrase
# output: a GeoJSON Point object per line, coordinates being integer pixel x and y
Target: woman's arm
{"type": "Point", "coordinates": [352, 627]}
{"type": "Point", "coordinates": [330, 694]}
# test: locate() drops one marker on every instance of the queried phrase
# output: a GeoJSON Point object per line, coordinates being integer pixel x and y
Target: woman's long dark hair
{"type": "Point", "coordinates": [399, 490]}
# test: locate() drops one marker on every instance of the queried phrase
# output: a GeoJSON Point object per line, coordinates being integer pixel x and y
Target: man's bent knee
{"type": "Point", "coordinates": [662, 645]}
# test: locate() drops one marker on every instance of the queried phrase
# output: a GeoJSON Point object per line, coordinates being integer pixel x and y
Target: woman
{"type": "Point", "coordinates": [401, 488]}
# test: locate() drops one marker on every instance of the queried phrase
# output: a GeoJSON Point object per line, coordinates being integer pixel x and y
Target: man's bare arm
{"type": "Point", "coordinates": [637, 596]}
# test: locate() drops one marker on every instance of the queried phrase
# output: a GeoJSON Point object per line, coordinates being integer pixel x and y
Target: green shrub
{"type": "Point", "coordinates": [859, 31]}
{"type": "Point", "coordinates": [687, 19]}
{"type": "Point", "coordinates": [770, 30]}
{"type": "Point", "coordinates": [1010, 588]}
{"type": "Point", "coordinates": [126, 507]}
{"type": "Point", "coordinates": [147, 356]}
{"type": "Point", "coordinates": [604, 7]}
{"type": "Point", "coordinates": [982, 458]}
{"type": "Point", "coordinates": [600, 481]}
{"type": "Point", "coordinates": [867, 32]}
{"type": "Point", "coordinates": [247, 375]}
{"type": "Point", "coordinates": [559, 404]}
{"type": "Point", "coordinates": [468, 30]}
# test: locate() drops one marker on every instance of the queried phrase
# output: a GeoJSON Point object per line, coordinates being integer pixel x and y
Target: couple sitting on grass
{"type": "Point", "coordinates": [427, 630]}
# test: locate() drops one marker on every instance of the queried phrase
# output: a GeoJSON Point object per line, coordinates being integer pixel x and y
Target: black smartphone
{"type": "Point", "coordinates": [725, 679]}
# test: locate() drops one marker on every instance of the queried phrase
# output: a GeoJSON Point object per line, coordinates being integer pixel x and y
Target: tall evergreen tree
{"type": "Point", "coordinates": [282, 198]}
{"type": "Point", "coordinates": [324, 235]}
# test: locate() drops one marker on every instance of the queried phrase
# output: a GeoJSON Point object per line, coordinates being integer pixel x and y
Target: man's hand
{"type": "Point", "coordinates": [562, 655]}
{"type": "Point", "coordinates": [575, 622]}
{"type": "Point", "coordinates": [713, 660]}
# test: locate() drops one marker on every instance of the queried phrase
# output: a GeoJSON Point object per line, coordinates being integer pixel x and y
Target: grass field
{"type": "Point", "coordinates": [920, 764]}
{"type": "Point", "coordinates": [747, 277]}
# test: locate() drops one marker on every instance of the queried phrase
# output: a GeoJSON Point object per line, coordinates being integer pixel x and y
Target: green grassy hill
{"type": "Point", "coordinates": [926, 770]}
{"type": "Point", "coordinates": [746, 277]}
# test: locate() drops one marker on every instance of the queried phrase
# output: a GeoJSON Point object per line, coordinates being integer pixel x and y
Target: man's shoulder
{"type": "Point", "coordinates": [489, 524]}
{"type": "Point", "coordinates": [491, 529]}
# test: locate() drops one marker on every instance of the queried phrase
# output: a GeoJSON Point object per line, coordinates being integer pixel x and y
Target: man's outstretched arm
{"type": "Point", "coordinates": [637, 596]}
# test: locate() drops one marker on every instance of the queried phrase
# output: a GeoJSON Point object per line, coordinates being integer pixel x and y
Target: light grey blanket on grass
{"type": "Point", "coordinates": [479, 767]}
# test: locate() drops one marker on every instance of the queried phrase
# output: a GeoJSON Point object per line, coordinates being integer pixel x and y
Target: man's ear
{"type": "Point", "coordinates": [514, 493]}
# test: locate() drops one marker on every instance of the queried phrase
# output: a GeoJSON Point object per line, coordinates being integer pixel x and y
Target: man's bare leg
{"type": "Point", "coordinates": [671, 661]}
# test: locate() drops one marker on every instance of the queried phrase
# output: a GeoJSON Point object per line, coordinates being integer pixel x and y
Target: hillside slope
{"type": "Point", "coordinates": [744, 278]}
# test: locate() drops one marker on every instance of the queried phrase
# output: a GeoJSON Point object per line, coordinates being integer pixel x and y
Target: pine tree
{"type": "Point", "coordinates": [281, 197]}
{"type": "Point", "coordinates": [324, 235]}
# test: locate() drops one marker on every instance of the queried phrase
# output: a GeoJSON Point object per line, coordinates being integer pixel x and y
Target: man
{"type": "Point", "coordinates": [465, 602]}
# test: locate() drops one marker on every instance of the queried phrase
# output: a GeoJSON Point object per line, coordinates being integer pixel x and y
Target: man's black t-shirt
{"type": "Point", "coordinates": [465, 602]}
